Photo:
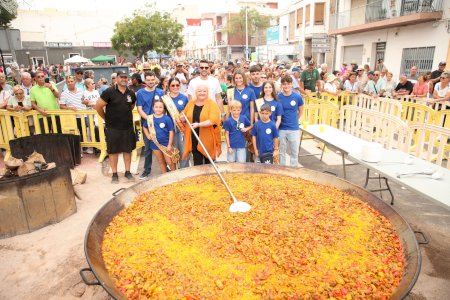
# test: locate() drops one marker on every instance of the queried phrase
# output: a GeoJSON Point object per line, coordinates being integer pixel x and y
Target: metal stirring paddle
{"type": "Point", "coordinates": [236, 206]}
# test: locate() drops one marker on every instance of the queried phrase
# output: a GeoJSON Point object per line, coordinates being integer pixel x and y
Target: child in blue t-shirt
{"type": "Point", "coordinates": [235, 127]}
{"type": "Point", "coordinates": [265, 136]}
{"type": "Point", "coordinates": [164, 130]}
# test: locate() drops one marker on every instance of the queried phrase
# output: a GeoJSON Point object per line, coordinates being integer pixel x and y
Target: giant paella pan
{"type": "Point", "coordinates": [308, 235]}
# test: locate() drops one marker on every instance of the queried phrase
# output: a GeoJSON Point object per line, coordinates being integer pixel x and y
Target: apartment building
{"type": "Point", "coordinates": [401, 32]}
{"type": "Point", "coordinates": [304, 27]}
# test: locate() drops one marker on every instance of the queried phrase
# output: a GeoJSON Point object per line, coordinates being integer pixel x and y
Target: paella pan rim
{"type": "Point", "coordinates": [407, 236]}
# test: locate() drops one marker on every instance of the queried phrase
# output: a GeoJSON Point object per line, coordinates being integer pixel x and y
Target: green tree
{"type": "Point", "coordinates": [147, 30]}
{"type": "Point", "coordinates": [256, 22]}
{"type": "Point", "coordinates": [6, 16]}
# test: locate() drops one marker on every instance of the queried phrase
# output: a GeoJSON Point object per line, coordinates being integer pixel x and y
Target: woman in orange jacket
{"type": "Point", "coordinates": [204, 115]}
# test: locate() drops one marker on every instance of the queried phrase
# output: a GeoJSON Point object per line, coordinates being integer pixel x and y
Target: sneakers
{"type": "Point", "coordinates": [129, 176]}
{"type": "Point", "coordinates": [144, 175]}
{"type": "Point", "coordinates": [89, 151]}
{"type": "Point", "coordinates": [115, 178]}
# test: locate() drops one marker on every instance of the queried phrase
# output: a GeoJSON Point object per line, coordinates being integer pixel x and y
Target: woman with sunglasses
{"type": "Point", "coordinates": [18, 101]}
{"type": "Point", "coordinates": [442, 89]}
{"type": "Point", "coordinates": [180, 100]}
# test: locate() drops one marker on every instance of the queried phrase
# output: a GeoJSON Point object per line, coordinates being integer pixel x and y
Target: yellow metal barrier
{"type": "Point", "coordinates": [417, 113]}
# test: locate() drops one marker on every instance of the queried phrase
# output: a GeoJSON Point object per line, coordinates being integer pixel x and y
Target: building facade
{"type": "Point", "coordinates": [304, 26]}
{"type": "Point", "coordinates": [403, 33]}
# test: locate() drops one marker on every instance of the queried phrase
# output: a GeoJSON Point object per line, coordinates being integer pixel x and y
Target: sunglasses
{"type": "Point", "coordinates": [174, 85]}
{"type": "Point", "coordinates": [18, 93]}
{"type": "Point", "coordinates": [40, 76]}
{"type": "Point", "coordinates": [443, 77]}
{"type": "Point", "coordinates": [204, 68]}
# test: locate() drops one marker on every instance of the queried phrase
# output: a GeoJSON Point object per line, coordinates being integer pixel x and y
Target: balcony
{"type": "Point", "coordinates": [384, 14]}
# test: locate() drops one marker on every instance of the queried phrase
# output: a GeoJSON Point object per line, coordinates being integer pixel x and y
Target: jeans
{"type": "Point", "coordinates": [289, 139]}
{"type": "Point", "coordinates": [178, 142]}
{"type": "Point", "coordinates": [238, 155]}
{"type": "Point", "coordinates": [147, 155]}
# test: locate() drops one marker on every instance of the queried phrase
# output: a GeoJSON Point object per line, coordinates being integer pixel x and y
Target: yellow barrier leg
{"type": "Point", "coordinates": [102, 156]}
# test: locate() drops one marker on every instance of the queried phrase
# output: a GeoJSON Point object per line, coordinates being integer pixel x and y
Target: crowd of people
{"type": "Point", "coordinates": [264, 103]}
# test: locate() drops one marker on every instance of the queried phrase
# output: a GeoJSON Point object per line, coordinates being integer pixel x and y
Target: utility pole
{"type": "Point", "coordinates": [246, 32]}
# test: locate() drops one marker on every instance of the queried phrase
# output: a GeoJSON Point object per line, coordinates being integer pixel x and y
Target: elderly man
{"type": "Point", "coordinates": [413, 76]}
{"type": "Point", "coordinates": [115, 106]}
{"type": "Point", "coordinates": [404, 87]}
{"type": "Point", "coordinates": [26, 82]}
{"type": "Point", "coordinates": [44, 96]}
{"type": "Point", "coordinates": [309, 78]}
{"type": "Point", "coordinates": [436, 74]}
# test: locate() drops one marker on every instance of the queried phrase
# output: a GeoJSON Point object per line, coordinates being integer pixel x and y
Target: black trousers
{"type": "Point", "coordinates": [199, 158]}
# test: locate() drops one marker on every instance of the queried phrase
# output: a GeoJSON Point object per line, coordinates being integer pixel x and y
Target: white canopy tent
{"type": "Point", "coordinates": [77, 59]}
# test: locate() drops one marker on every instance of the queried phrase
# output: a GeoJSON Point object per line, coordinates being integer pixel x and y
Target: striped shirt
{"type": "Point", "coordinates": [72, 99]}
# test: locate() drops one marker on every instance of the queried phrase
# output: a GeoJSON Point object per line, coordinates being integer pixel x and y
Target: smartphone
{"type": "Point", "coordinates": [47, 80]}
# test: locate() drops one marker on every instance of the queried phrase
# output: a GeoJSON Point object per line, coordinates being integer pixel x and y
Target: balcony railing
{"type": "Point", "coordinates": [382, 10]}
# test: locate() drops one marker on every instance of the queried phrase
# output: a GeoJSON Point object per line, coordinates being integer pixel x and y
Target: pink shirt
{"type": "Point", "coordinates": [420, 89]}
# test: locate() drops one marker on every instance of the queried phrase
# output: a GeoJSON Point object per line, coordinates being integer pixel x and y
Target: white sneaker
{"type": "Point", "coordinates": [90, 151]}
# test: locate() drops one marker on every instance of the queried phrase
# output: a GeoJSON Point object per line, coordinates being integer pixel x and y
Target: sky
{"type": "Point", "coordinates": [127, 6]}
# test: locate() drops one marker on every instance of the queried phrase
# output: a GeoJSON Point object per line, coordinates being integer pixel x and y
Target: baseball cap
{"type": "Point", "coordinates": [295, 69]}
{"type": "Point", "coordinates": [371, 73]}
{"type": "Point", "coordinates": [360, 67]}
{"type": "Point", "coordinates": [122, 74]}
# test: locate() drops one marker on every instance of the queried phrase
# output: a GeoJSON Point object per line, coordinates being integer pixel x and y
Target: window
{"type": "Point", "coordinates": [319, 13]}
{"type": "Point", "coordinates": [38, 60]}
{"type": "Point", "coordinates": [299, 17]}
{"type": "Point", "coordinates": [422, 57]}
{"type": "Point", "coordinates": [307, 14]}
{"type": "Point", "coordinates": [73, 54]}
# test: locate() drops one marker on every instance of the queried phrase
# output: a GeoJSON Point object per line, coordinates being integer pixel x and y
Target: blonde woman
{"type": "Point", "coordinates": [90, 95]}
{"type": "Point", "coordinates": [18, 101]}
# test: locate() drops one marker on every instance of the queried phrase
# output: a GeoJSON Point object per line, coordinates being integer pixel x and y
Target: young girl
{"type": "Point", "coordinates": [269, 96]}
{"type": "Point", "coordinates": [162, 132]}
{"type": "Point", "coordinates": [265, 137]}
{"type": "Point", "coordinates": [235, 127]}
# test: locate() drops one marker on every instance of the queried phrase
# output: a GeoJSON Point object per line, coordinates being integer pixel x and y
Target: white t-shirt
{"type": "Point", "coordinates": [441, 91]}
{"type": "Point", "coordinates": [349, 87]}
{"type": "Point", "coordinates": [330, 88]}
{"type": "Point", "coordinates": [92, 97]}
{"type": "Point", "coordinates": [212, 83]}
{"type": "Point", "coordinates": [182, 77]}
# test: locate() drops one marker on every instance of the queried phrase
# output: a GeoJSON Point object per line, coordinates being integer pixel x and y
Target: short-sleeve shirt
{"type": "Point", "coordinates": [180, 101]}
{"type": "Point", "coordinates": [291, 103]}
{"type": "Point", "coordinates": [309, 79]}
{"type": "Point", "coordinates": [256, 89]}
{"type": "Point", "coordinates": [237, 138]}
{"type": "Point", "coordinates": [441, 91]}
{"type": "Point", "coordinates": [44, 97]}
{"type": "Point", "coordinates": [265, 133]}
{"type": "Point", "coordinates": [119, 108]}
{"type": "Point", "coordinates": [163, 127]}
{"type": "Point", "coordinates": [91, 96]}
{"type": "Point", "coordinates": [247, 98]}
{"type": "Point", "coordinates": [276, 108]}
{"type": "Point", "coordinates": [72, 99]}
{"type": "Point", "coordinates": [145, 100]}
{"type": "Point", "coordinates": [12, 101]}
{"type": "Point", "coordinates": [212, 83]}
{"type": "Point", "coordinates": [407, 86]}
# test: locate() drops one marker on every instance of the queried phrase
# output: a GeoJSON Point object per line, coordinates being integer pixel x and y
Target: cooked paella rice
{"type": "Point", "coordinates": [300, 240]}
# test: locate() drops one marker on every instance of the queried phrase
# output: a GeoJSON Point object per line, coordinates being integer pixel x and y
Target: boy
{"type": "Point", "coordinates": [235, 127]}
{"type": "Point", "coordinates": [265, 137]}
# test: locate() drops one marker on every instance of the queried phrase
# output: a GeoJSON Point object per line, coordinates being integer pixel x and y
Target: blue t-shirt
{"type": "Point", "coordinates": [276, 108]}
{"type": "Point", "coordinates": [246, 97]}
{"type": "Point", "coordinates": [237, 139]}
{"type": "Point", "coordinates": [291, 103]}
{"type": "Point", "coordinates": [180, 101]}
{"type": "Point", "coordinates": [163, 126]}
{"type": "Point", "coordinates": [145, 98]}
{"type": "Point", "coordinates": [265, 133]}
{"type": "Point", "coordinates": [256, 89]}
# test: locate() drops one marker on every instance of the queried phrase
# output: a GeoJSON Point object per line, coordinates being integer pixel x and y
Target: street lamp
{"type": "Point", "coordinates": [246, 33]}
{"type": "Point", "coordinates": [45, 43]}
{"type": "Point", "coordinates": [29, 59]}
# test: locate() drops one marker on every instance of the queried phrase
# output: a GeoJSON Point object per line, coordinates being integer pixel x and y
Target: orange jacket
{"type": "Point", "coordinates": [210, 136]}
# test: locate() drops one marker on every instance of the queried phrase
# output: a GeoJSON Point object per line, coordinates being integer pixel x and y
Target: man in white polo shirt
{"type": "Point", "coordinates": [213, 84]}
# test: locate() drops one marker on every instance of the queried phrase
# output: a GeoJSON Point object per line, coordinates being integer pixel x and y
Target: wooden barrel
{"type": "Point", "coordinates": [34, 201]}
{"type": "Point", "coordinates": [63, 149]}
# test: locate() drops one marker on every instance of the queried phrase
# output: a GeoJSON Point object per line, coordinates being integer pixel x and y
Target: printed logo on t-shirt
{"type": "Point", "coordinates": [293, 103]}
{"type": "Point", "coordinates": [241, 125]}
{"type": "Point", "coordinates": [128, 98]}
{"type": "Point", "coordinates": [244, 96]}
{"type": "Point", "coordinates": [156, 97]}
{"type": "Point", "coordinates": [162, 125]}
{"type": "Point", "coordinates": [180, 102]}
{"type": "Point", "coordinates": [272, 108]}
{"type": "Point", "coordinates": [268, 131]}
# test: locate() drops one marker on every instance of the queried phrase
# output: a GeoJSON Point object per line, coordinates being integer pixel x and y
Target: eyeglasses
{"type": "Point", "coordinates": [18, 93]}
{"type": "Point", "coordinates": [204, 68]}
{"type": "Point", "coordinates": [40, 76]}
{"type": "Point", "coordinates": [376, 74]}
{"type": "Point", "coordinates": [174, 85]}
{"type": "Point", "coordinates": [443, 77]}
